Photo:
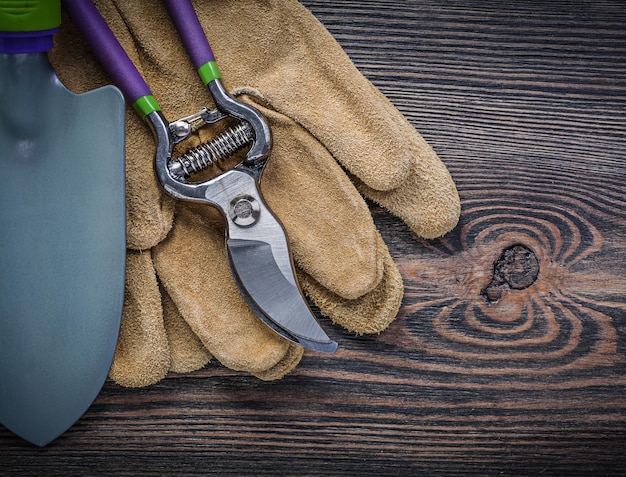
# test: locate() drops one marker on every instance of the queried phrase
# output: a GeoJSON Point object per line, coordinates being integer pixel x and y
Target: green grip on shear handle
{"type": "Point", "coordinates": [146, 105]}
{"type": "Point", "coordinates": [209, 71]}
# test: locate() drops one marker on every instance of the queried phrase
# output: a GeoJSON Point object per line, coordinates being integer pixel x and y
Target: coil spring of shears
{"type": "Point", "coordinates": [212, 152]}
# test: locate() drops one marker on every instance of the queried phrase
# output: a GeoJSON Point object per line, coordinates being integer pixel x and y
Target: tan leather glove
{"type": "Point", "coordinates": [335, 137]}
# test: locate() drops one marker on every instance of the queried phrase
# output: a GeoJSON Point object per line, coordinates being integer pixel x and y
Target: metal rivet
{"type": "Point", "coordinates": [181, 128]}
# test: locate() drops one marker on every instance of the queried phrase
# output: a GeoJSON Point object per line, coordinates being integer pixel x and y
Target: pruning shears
{"type": "Point", "coordinates": [256, 243]}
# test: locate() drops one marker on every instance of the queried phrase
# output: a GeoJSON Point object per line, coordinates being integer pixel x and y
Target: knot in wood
{"type": "Point", "coordinates": [517, 268]}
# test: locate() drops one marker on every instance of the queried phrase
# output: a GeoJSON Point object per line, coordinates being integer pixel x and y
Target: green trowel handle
{"type": "Point", "coordinates": [111, 54]}
{"type": "Point", "coordinates": [27, 26]}
{"type": "Point", "coordinates": [29, 15]}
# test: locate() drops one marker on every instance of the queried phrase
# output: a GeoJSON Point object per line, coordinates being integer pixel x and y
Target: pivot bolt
{"type": "Point", "coordinates": [244, 210]}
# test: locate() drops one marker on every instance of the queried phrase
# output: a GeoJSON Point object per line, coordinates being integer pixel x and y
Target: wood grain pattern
{"type": "Point", "coordinates": [525, 102]}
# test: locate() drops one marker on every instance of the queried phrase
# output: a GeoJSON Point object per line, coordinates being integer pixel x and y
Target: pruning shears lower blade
{"type": "Point", "coordinates": [273, 297]}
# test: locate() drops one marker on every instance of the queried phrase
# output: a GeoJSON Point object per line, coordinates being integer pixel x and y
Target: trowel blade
{"type": "Point", "coordinates": [62, 259]}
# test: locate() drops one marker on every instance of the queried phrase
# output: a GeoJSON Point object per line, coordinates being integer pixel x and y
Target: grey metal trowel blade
{"type": "Point", "coordinates": [62, 254]}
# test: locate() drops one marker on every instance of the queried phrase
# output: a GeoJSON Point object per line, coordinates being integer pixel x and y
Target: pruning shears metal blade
{"type": "Point", "coordinates": [274, 297]}
{"type": "Point", "coordinates": [260, 259]}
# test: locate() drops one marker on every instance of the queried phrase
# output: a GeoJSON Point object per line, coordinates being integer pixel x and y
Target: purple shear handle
{"type": "Point", "coordinates": [186, 21]}
{"type": "Point", "coordinates": [108, 50]}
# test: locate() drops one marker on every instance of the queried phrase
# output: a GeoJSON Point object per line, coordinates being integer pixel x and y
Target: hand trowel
{"type": "Point", "coordinates": [62, 231]}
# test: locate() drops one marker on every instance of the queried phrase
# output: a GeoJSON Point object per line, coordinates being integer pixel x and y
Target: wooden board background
{"type": "Point", "coordinates": [525, 102]}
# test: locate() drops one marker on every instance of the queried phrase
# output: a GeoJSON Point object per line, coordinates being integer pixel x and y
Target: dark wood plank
{"type": "Point", "coordinates": [500, 363]}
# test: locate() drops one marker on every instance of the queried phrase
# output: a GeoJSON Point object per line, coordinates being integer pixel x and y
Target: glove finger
{"type": "Point", "coordinates": [142, 355]}
{"type": "Point", "coordinates": [427, 201]}
{"type": "Point", "coordinates": [192, 265]}
{"type": "Point", "coordinates": [187, 353]}
{"type": "Point", "coordinates": [289, 361]}
{"type": "Point", "coordinates": [149, 212]}
{"type": "Point", "coordinates": [371, 313]}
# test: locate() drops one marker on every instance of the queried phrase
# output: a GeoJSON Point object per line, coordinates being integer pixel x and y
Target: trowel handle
{"type": "Point", "coordinates": [186, 21]}
{"type": "Point", "coordinates": [111, 54]}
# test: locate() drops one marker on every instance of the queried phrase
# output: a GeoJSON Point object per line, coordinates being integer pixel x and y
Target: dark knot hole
{"type": "Point", "coordinates": [516, 268]}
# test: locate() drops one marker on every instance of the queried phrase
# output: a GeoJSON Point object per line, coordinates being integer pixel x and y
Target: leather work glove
{"type": "Point", "coordinates": [336, 138]}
